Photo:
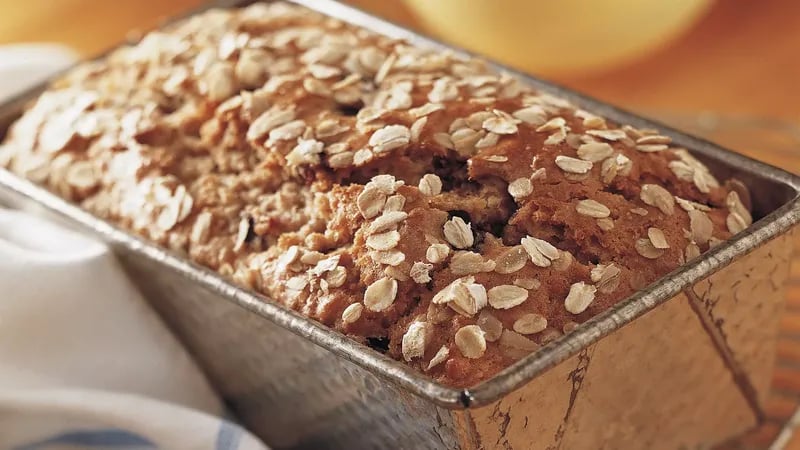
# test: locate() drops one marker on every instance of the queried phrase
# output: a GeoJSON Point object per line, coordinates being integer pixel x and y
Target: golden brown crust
{"type": "Point", "coordinates": [415, 201]}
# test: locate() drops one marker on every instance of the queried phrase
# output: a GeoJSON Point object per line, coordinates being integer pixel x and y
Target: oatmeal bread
{"type": "Point", "coordinates": [413, 200]}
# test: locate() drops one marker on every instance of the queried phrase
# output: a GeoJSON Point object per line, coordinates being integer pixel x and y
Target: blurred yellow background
{"type": "Point", "coordinates": [555, 38]}
{"type": "Point", "coordinates": [741, 57]}
{"type": "Point", "coordinates": [738, 59]}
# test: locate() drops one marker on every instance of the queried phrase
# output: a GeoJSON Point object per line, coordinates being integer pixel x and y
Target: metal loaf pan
{"type": "Point", "coordinates": [685, 363]}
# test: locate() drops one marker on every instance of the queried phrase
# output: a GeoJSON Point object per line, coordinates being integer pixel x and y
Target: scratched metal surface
{"type": "Point", "coordinates": [690, 374]}
{"type": "Point", "coordinates": [301, 385]}
{"type": "Point", "coordinates": [295, 394]}
{"type": "Point", "coordinates": [743, 304]}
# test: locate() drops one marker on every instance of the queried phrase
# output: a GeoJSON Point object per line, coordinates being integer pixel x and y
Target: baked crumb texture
{"type": "Point", "coordinates": [416, 201]}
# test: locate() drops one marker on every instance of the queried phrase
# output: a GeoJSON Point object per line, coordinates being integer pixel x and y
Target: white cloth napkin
{"type": "Point", "coordinates": [24, 65]}
{"type": "Point", "coordinates": [84, 361]}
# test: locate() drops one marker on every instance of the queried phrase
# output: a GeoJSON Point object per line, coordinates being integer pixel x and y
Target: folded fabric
{"type": "Point", "coordinates": [22, 66]}
{"type": "Point", "coordinates": [84, 361]}
{"type": "Point", "coordinates": [60, 419]}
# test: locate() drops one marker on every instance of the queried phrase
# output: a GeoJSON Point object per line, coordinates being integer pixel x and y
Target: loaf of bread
{"type": "Point", "coordinates": [414, 200]}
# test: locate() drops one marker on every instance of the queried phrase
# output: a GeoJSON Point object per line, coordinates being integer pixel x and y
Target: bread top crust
{"type": "Point", "coordinates": [411, 199]}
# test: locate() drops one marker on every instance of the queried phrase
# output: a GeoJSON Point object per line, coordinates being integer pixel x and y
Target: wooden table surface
{"type": "Point", "coordinates": [741, 62]}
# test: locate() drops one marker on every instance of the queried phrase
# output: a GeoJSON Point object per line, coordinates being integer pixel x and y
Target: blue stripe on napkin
{"type": "Point", "coordinates": [112, 437]}
{"type": "Point", "coordinates": [228, 436]}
